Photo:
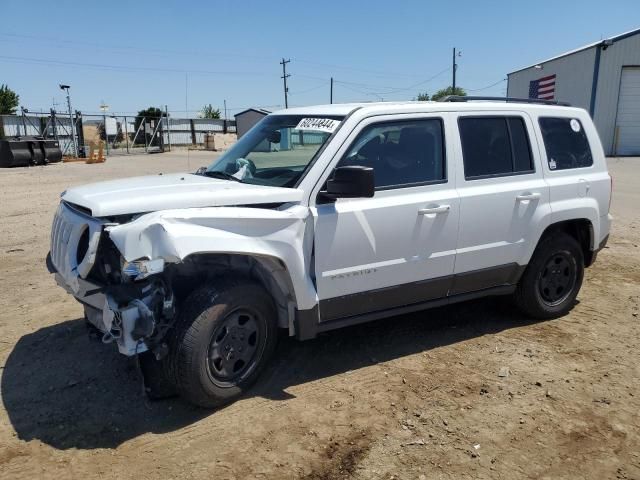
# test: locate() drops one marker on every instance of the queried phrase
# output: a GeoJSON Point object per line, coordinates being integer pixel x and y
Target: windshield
{"type": "Point", "coordinates": [275, 152]}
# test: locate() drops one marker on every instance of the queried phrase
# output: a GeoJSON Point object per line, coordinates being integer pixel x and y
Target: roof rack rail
{"type": "Point", "coordinates": [460, 98]}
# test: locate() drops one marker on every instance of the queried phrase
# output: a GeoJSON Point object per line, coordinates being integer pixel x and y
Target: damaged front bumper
{"type": "Point", "coordinates": [129, 315]}
{"type": "Point", "coordinates": [132, 314]}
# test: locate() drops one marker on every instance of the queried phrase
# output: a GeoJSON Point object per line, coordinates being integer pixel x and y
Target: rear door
{"type": "Point", "coordinates": [398, 247]}
{"type": "Point", "coordinates": [503, 199]}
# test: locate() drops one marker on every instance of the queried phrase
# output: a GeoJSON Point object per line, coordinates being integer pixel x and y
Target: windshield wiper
{"type": "Point", "coordinates": [223, 175]}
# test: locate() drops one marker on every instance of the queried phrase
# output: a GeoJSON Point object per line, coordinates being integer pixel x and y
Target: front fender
{"type": "Point", "coordinates": [176, 234]}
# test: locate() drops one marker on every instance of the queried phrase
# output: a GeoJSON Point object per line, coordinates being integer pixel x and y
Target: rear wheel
{"type": "Point", "coordinates": [223, 340]}
{"type": "Point", "coordinates": [550, 284]}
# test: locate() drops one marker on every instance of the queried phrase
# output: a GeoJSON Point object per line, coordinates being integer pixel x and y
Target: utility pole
{"type": "Point", "coordinates": [331, 92]}
{"type": "Point", "coordinates": [455, 68]}
{"type": "Point", "coordinates": [284, 77]}
{"type": "Point", "coordinates": [453, 84]}
{"type": "Point", "coordinates": [225, 110]}
{"type": "Point", "coordinates": [73, 130]}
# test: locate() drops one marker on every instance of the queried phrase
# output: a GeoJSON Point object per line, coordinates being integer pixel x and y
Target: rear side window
{"type": "Point", "coordinates": [566, 143]}
{"type": "Point", "coordinates": [494, 146]}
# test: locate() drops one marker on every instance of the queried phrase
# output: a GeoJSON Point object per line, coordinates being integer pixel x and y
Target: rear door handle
{"type": "Point", "coordinates": [436, 209]}
{"type": "Point", "coordinates": [528, 196]}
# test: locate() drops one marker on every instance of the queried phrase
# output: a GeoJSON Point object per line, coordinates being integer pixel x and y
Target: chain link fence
{"type": "Point", "coordinates": [119, 134]}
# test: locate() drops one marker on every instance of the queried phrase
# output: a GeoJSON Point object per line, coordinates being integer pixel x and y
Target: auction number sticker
{"type": "Point", "coordinates": [318, 124]}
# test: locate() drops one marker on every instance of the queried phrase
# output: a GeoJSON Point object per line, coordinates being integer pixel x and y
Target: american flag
{"type": "Point", "coordinates": [544, 88]}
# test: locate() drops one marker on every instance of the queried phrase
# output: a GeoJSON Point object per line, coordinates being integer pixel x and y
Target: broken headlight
{"type": "Point", "coordinates": [140, 269]}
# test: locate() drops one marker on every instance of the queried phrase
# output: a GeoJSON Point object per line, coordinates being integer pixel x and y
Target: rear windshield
{"type": "Point", "coordinates": [566, 143]}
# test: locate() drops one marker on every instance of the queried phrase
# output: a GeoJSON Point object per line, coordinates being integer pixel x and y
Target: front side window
{"type": "Point", "coordinates": [566, 143]}
{"type": "Point", "coordinates": [494, 146]}
{"type": "Point", "coordinates": [401, 153]}
{"type": "Point", "coordinates": [276, 152]}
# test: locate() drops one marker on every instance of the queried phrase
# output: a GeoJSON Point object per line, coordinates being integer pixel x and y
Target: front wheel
{"type": "Point", "coordinates": [551, 282]}
{"type": "Point", "coordinates": [223, 340]}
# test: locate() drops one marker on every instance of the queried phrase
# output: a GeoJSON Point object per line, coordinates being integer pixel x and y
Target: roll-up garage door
{"type": "Point", "coordinates": [628, 119]}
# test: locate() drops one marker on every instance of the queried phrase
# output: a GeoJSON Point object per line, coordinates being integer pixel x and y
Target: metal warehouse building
{"type": "Point", "coordinates": [603, 78]}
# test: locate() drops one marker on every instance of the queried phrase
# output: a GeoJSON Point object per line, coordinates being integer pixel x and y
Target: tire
{"type": "Point", "coordinates": [551, 282]}
{"type": "Point", "coordinates": [224, 337]}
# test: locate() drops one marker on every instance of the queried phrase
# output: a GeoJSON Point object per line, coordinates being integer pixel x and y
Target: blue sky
{"type": "Point", "coordinates": [136, 54]}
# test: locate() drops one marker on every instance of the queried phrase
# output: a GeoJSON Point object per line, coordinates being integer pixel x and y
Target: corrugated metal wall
{"type": "Point", "coordinates": [625, 52]}
{"type": "Point", "coordinates": [181, 129]}
{"type": "Point", "coordinates": [574, 76]}
{"type": "Point", "coordinates": [307, 138]}
{"type": "Point", "coordinates": [574, 80]}
{"type": "Point", "coordinates": [16, 125]}
{"type": "Point", "coordinates": [180, 132]}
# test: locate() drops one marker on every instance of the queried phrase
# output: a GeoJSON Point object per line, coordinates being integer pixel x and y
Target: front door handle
{"type": "Point", "coordinates": [528, 196]}
{"type": "Point", "coordinates": [435, 209]}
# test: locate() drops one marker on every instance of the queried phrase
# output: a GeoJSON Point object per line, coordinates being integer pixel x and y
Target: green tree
{"type": "Point", "coordinates": [445, 92]}
{"type": "Point", "coordinates": [8, 100]}
{"type": "Point", "coordinates": [422, 97]}
{"type": "Point", "coordinates": [209, 112]}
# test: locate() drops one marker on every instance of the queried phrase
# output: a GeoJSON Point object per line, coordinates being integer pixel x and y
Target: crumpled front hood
{"type": "Point", "coordinates": [161, 192]}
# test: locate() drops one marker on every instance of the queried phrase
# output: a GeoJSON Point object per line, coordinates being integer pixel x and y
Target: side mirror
{"type": "Point", "coordinates": [351, 182]}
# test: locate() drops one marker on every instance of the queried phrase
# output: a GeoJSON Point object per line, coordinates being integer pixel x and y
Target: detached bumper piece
{"type": "Point", "coordinates": [127, 325]}
{"type": "Point", "coordinates": [135, 323]}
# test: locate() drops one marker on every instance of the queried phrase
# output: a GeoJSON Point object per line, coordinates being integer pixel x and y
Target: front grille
{"type": "Point", "coordinates": [60, 233]}
{"type": "Point", "coordinates": [74, 241]}
{"type": "Point", "coordinates": [83, 246]}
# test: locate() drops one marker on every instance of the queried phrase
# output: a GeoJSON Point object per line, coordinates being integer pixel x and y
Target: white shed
{"type": "Point", "coordinates": [602, 77]}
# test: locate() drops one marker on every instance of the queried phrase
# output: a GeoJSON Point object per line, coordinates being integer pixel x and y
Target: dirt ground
{"type": "Point", "coordinates": [413, 397]}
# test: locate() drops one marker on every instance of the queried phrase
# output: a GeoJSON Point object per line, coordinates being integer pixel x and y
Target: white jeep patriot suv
{"type": "Point", "coordinates": [327, 216]}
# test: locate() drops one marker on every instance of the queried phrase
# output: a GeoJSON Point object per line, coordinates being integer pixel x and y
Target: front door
{"type": "Point", "coordinates": [397, 248]}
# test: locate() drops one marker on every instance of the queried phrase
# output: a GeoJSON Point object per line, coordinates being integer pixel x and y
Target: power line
{"type": "Point", "coordinates": [487, 87]}
{"type": "Point", "coordinates": [198, 53]}
{"type": "Point", "coordinates": [120, 48]}
{"type": "Point", "coordinates": [379, 89]}
{"type": "Point", "coordinates": [354, 69]}
{"type": "Point", "coordinates": [361, 91]}
{"type": "Point", "coordinates": [391, 90]}
{"type": "Point", "coordinates": [44, 61]}
{"type": "Point", "coordinates": [300, 92]}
